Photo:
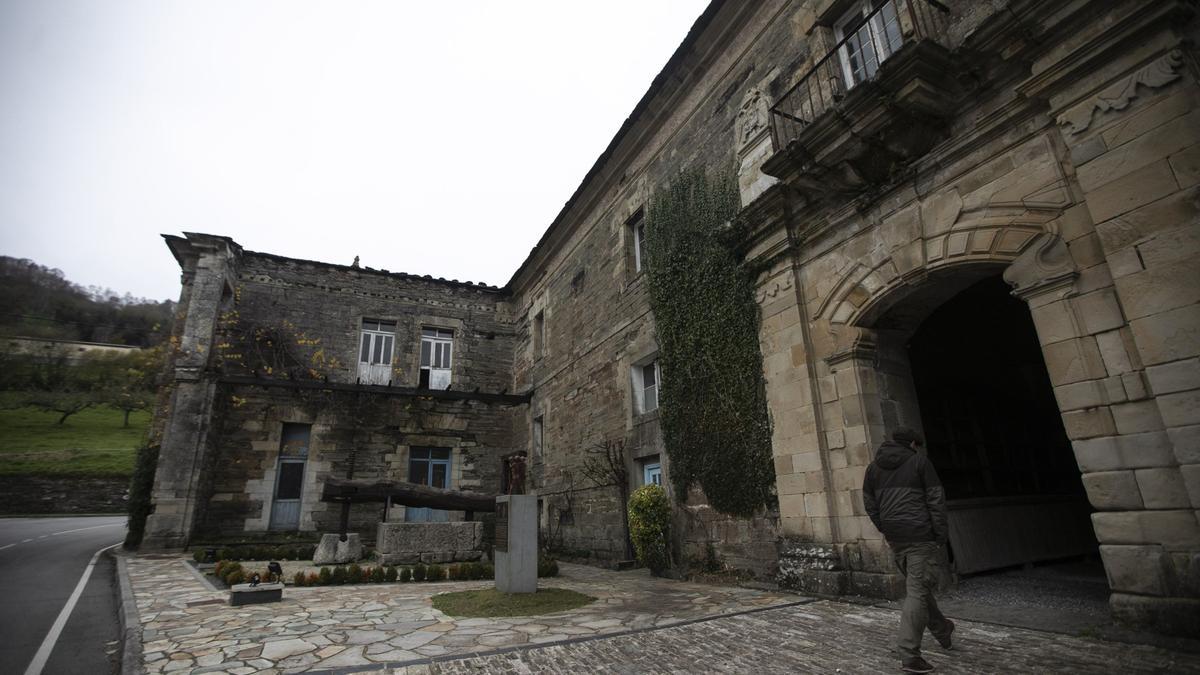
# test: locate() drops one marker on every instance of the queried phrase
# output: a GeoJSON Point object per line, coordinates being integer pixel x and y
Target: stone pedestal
{"type": "Point", "coordinates": [333, 551]}
{"type": "Point", "coordinates": [516, 543]}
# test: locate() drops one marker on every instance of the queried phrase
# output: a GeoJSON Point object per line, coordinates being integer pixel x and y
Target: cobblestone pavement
{"type": "Point", "coordinates": [188, 627]}
{"type": "Point", "coordinates": [820, 637]}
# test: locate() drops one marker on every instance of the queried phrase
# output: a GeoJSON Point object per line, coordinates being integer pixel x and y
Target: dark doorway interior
{"type": "Point", "coordinates": [995, 434]}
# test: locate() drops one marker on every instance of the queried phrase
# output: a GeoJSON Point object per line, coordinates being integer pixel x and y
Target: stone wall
{"type": "Point", "coordinates": [63, 494]}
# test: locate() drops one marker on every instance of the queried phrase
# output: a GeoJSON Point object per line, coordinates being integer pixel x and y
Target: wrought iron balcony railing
{"type": "Point", "coordinates": [869, 35]}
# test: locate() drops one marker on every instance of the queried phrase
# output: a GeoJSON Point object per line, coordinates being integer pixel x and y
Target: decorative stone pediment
{"type": "Point", "coordinates": [1158, 73]}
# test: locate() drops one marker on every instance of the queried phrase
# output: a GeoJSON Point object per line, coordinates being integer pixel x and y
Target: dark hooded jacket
{"type": "Point", "coordinates": [904, 497]}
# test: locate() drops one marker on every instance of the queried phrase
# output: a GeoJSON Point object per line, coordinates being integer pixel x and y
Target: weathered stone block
{"type": "Point", "coordinates": [1113, 490]}
{"type": "Point", "coordinates": [1115, 351]}
{"type": "Point", "coordinates": [1100, 311]}
{"type": "Point", "coordinates": [1180, 409]}
{"type": "Point", "coordinates": [1186, 443]}
{"type": "Point", "coordinates": [1132, 190]}
{"type": "Point", "coordinates": [1124, 452]}
{"type": "Point", "coordinates": [1073, 361]}
{"type": "Point", "coordinates": [1079, 395]}
{"type": "Point", "coordinates": [1089, 423]}
{"type": "Point", "coordinates": [1172, 529]}
{"type": "Point", "coordinates": [1168, 336]}
{"type": "Point", "coordinates": [1168, 378]}
{"type": "Point", "coordinates": [333, 551]}
{"type": "Point", "coordinates": [1176, 616]}
{"type": "Point", "coordinates": [1136, 417]}
{"type": "Point", "coordinates": [1135, 569]}
{"type": "Point", "coordinates": [1162, 488]}
{"type": "Point", "coordinates": [1191, 481]}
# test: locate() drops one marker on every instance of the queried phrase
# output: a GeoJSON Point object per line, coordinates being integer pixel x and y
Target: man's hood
{"type": "Point", "coordinates": [892, 454]}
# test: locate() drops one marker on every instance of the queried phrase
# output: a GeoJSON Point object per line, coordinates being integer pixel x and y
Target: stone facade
{"type": "Point", "coordinates": [1051, 147]}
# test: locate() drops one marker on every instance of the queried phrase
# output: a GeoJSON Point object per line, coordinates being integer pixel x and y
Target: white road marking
{"type": "Point", "coordinates": [43, 652]}
{"type": "Point", "coordinates": [81, 529]}
{"type": "Point", "coordinates": [55, 534]}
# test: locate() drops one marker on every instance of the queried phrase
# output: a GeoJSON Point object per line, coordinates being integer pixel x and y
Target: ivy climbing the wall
{"type": "Point", "coordinates": [713, 401]}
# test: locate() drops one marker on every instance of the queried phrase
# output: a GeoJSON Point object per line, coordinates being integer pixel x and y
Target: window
{"type": "Point", "coordinates": [538, 426]}
{"type": "Point", "coordinates": [375, 351]}
{"type": "Point", "coordinates": [637, 235]}
{"type": "Point", "coordinates": [645, 387]}
{"type": "Point", "coordinates": [871, 31]}
{"type": "Point", "coordinates": [539, 334]}
{"type": "Point", "coordinates": [436, 345]}
{"type": "Point", "coordinates": [652, 471]}
{"type": "Point", "coordinates": [428, 466]}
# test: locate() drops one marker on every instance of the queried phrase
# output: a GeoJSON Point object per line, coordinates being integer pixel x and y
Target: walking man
{"type": "Point", "coordinates": [904, 499]}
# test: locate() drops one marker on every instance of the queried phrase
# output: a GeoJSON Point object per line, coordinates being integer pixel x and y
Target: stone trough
{"type": "Point", "coordinates": [410, 543]}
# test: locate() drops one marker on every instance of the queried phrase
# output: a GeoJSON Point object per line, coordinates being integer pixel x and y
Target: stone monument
{"type": "Point", "coordinates": [516, 543]}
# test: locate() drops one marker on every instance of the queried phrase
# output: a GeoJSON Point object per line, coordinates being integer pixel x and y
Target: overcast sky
{"type": "Point", "coordinates": [426, 137]}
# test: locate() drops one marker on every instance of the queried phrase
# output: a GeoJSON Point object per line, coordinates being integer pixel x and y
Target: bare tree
{"type": "Point", "coordinates": [605, 466]}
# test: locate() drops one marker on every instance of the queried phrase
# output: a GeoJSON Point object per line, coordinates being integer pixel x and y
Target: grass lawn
{"type": "Point", "coordinates": [490, 602]}
{"type": "Point", "coordinates": [91, 442]}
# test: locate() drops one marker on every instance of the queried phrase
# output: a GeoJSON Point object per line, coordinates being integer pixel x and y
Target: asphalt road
{"type": "Point", "coordinates": [41, 562]}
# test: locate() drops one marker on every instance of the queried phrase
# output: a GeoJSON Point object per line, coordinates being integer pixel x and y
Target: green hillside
{"type": "Point", "coordinates": [91, 442]}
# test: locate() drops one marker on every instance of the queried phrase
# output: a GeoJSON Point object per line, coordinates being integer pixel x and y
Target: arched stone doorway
{"type": "Point", "coordinates": [957, 356]}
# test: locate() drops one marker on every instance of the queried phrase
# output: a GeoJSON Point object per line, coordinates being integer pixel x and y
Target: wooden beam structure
{"type": "Point", "coordinates": [401, 493]}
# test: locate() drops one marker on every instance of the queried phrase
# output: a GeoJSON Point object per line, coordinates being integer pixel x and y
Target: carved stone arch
{"type": "Point", "coordinates": [934, 265]}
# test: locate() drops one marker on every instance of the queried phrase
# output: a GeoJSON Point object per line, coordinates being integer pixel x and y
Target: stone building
{"type": "Point", "coordinates": [978, 219]}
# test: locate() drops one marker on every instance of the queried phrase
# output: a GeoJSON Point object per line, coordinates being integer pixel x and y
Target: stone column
{"type": "Point", "coordinates": [181, 461]}
{"type": "Point", "coordinates": [1133, 134]}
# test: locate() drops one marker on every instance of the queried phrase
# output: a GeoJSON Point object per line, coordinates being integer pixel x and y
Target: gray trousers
{"type": "Point", "coordinates": [921, 565]}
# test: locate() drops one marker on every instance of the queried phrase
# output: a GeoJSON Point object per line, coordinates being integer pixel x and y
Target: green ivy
{"type": "Point", "coordinates": [141, 487]}
{"type": "Point", "coordinates": [712, 398]}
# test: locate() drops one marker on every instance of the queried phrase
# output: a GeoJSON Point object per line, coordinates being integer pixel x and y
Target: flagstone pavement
{"type": "Point", "coordinates": [638, 624]}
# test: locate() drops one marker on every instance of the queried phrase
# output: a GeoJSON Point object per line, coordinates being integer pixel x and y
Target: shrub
{"type": "Point", "coordinates": [649, 523]}
{"type": "Point", "coordinates": [300, 579]}
{"type": "Point", "coordinates": [313, 579]}
{"type": "Point", "coordinates": [227, 554]}
{"type": "Point", "coordinates": [435, 573]}
{"type": "Point", "coordinates": [339, 575]}
{"type": "Point", "coordinates": [453, 572]}
{"type": "Point", "coordinates": [354, 575]}
{"type": "Point", "coordinates": [220, 566]}
{"type": "Point", "coordinates": [306, 552]}
{"type": "Point", "coordinates": [377, 575]}
{"type": "Point", "coordinates": [235, 577]}
{"type": "Point", "coordinates": [390, 575]}
{"type": "Point", "coordinates": [487, 571]}
{"type": "Point", "coordinates": [325, 576]}
{"type": "Point", "coordinates": [405, 575]}
{"type": "Point", "coordinates": [547, 567]}
{"type": "Point", "coordinates": [228, 569]}
{"type": "Point", "coordinates": [418, 573]}
{"type": "Point", "coordinates": [198, 555]}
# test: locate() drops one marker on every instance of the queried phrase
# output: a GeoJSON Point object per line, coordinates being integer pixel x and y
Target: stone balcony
{"type": "Point", "coordinates": [874, 102]}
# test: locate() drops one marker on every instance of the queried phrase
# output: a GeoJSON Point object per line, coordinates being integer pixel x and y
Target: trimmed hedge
{"type": "Point", "coordinates": [649, 526]}
{"type": "Point", "coordinates": [356, 574]}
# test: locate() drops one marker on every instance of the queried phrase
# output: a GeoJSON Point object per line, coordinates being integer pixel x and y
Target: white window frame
{"type": "Point", "coordinates": [876, 31]}
{"type": "Point", "coordinates": [376, 351]}
{"type": "Point", "coordinates": [637, 235]}
{"type": "Point", "coordinates": [439, 359]}
{"type": "Point", "coordinates": [645, 397]}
